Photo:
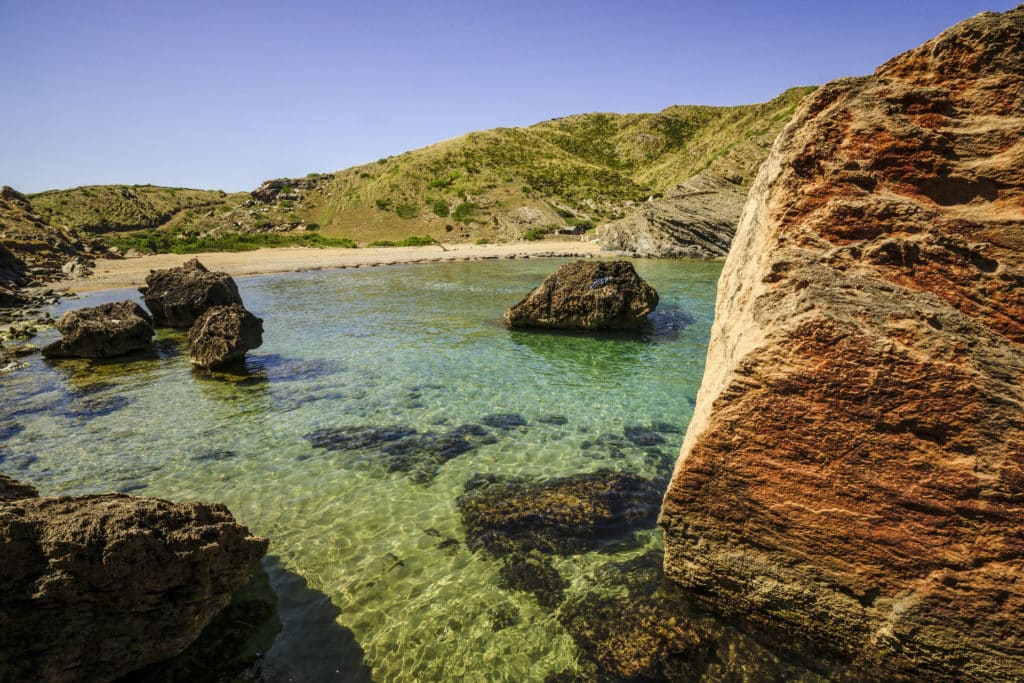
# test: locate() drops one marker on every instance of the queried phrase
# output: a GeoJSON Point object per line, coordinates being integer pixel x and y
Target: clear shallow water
{"type": "Point", "coordinates": [420, 347]}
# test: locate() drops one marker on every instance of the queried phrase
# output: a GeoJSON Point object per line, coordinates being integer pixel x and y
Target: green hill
{"type": "Point", "coordinates": [496, 185]}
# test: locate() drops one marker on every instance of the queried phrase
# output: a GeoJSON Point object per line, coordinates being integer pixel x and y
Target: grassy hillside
{"type": "Point", "coordinates": [495, 185]}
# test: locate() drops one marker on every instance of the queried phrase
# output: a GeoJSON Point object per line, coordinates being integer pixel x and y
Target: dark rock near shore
{"type": "Point", "coordinates": [177, 297]}
{"type": "Point", "coordinates": [102, 331]}
{"type": "Point", "coordinates": [12, 268]}
{"type": "Point", "coordinates": [222, 335]}
{"type": "Point", "coordinates": [93, 587]}
{"type": "Point", "coordinates": [11, 489]}
{"type": "Point", "coordinates": [587, 295]}
{"type": "Point", "coordinates": [563, 516]}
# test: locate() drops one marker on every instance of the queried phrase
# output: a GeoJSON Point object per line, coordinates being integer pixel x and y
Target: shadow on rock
{"type": "Point", "coordinates": [275, 629]}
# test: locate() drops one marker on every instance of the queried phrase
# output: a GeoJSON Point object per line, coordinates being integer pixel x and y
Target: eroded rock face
{"type": "Point", "coordinates": [853, 473]}
{"type": "Point", "coordinates": [223, 335]}
{"type": "Point", "coordinates": [694, 220]}
{"type": "Point", "coordinates": [587, 295]}
{"type": "Point", "coordinates": [102, 331]}
{"type": "Point", "coordinates": [11, 489]}
{"type": "Point", "coordinates": [12, 268]}
{"type": "Point", "coordinates": [93, 587]}
{"type": "Point", "coordinates": [178, 296]}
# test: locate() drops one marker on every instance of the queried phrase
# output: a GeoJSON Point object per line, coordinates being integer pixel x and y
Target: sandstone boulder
{"type": "Point", "coordinates": [178, 296]}
{"type": "Point", "coordinates": [223, 334]}
{"type": "Point", "coordinates": [694, 220]}
{"type": "Point", "coordinates": [852, 477]}
{"type": "Point", "coordinates": [94, 587]}
{"type": "Point", "coordinates": [102, 331]}
{"type": "Point", "coordinates": [587, 295]}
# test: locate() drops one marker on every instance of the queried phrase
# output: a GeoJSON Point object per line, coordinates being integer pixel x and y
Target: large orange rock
{"type": "Point", "coordinates": [853, 477]}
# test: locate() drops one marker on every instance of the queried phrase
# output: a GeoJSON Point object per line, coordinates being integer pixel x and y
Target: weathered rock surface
{"type": "Point", "coordinates": [587, 295]}
{"type": "Point", "coordinates": [178, 296]}
{"type": "Point", "coordinates": [562, 516]}
{"type": "Point", "coordinates": [853, 476]}
{"type": "Point", "coordinates": [102, 331]}
{"type": "Point", "coordinates": [93, 587]}
{"type": "Point", "coordinates": [223, 335]}
{"type": "Point", "coordinates": [696, 219]}
{"type": "Point", "coordinates": [12, 268]}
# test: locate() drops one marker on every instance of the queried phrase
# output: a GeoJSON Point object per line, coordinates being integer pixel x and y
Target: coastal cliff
{"type": "Point", "coordinates": [852, 480]}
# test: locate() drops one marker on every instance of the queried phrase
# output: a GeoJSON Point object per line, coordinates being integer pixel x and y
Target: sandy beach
{"type": "Point", "coordinates": [132, 272]}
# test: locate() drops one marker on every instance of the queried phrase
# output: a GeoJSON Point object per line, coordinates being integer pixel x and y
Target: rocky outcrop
{"type": "Point", "coordinates": [94, 587]}
{"type": "Point", "coordinates": [12, 268]}
{"type": "Point", "coordinates": [587, 295]}
{"type": "Point", "coordinates": [223, 335]}
{"type": "Point", "coordinates": [178, 296]}
{"type": "Point", "coordinates": [852, 477]}
{"type": "Point", "coordinates": [694, 220]}
{"type": "Point", "coordinates": [102, 331]}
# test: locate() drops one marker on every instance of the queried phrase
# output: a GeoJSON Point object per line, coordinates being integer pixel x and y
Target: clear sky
{"type": "Point", "coordinates": [222, 95]}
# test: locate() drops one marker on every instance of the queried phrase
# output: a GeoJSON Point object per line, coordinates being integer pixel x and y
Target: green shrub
{"type": "Point", "coordinates": [565, 213]}
{"type": "Point", "coordinates": [312, 227]}
{"type": "Point", "coordinates": [440, 208]}
{"type": "Point", "coordinates": [384, 204]}
{"type": "Point", "coordinates": [464, 212]}
{"type": "Point", "coordinates": [382, 243]}
{"type": "Point", "coordinates": [406, 210]}
{"type": "Point", "coordinates": [483, 240]}
{"type": "Point", "coordinates": [261, 221]}
{"type": "Point", "coordinates": [292, 219]}
{"type": "Point", "coordinates": [440, 183]}
{"type": "Point", "coordinates": [417, 241]}
{"type": "Point", "coordinates": [158, 242]}
{"type": "Point", "coordinates": [540, 233]}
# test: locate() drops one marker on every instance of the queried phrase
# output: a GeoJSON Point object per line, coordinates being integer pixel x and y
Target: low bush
{"type": "Point", "coordinates": [163, 243]}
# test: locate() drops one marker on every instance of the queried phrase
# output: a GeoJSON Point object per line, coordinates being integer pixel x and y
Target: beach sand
{"type": "Point", "coordinates": [132, 272]}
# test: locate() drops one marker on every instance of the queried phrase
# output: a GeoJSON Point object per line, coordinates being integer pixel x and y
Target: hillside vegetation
{"type": "Point", "coordinates": [498, 185]}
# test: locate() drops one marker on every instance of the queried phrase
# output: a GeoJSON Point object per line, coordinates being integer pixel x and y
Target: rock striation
{"type": "Point", "coordinates": [222, 335]}
{"type": "Point", "coordinates": [853, 476]}
{"type": "Point", "coordinates": [94, 587]}
{"type": "Point", "coordinates": [587, 295]}
{"type": "Point", "coordinates": [696, 219]}
{"type": "Point", "coordinates": [103, 331]}
{"type": "Point", "coordinates": [177, 297]}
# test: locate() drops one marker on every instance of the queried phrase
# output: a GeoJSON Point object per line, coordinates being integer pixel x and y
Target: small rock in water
{"type": "Point", "coordinates": [354, 438]}
{"type": "Point", "coordinates": [557, 420]}
{"type": "Point", "coordinates": [97, 407]}
{"type": "Point", "coordinates": [642, 436]}
{"type": "Point", "coordinates": [504, 420]}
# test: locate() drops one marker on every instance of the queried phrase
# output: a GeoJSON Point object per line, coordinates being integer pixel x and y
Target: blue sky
{"type": "Point", "coordinates": [223, 95]}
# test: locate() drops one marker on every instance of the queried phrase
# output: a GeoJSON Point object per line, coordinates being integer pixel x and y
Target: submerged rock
{"type": "Point", "coordinates": [533, 573]}
{"type": "Point", "coordinates": [398, 448]}
{"type": "Point", "coordinates": [564, 516]}
{"type": "Point", "coordinates": [93, 587]}
{"type": "Point", "coordinates": [587, 295]}
{"type": "Point", "coordinates": [222, 335]}
{"type": "Point", "coordinates": [852, 477]}
{"type": "Point", "coordinates": [177, 297]}
{"type": "Point", "coordinates": [102, 331]}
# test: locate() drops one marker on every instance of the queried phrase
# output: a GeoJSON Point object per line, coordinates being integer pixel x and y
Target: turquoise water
{"type": "Point", "coordinates": [418, 347]}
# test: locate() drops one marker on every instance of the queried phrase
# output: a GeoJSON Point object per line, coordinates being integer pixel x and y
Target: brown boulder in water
{"type": "Point", "coordinates": [178, 296]}
{"type": "Point", "coordinates": [102, 331]}
{"type": "Point", "coordinates": [94, 587]}
{"type": "Point", "coordinates": [853, 477]}
{"type": "Point", "coordinates": [587, 295]}
{"type": "Point", "coordinates": [222, 335]}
